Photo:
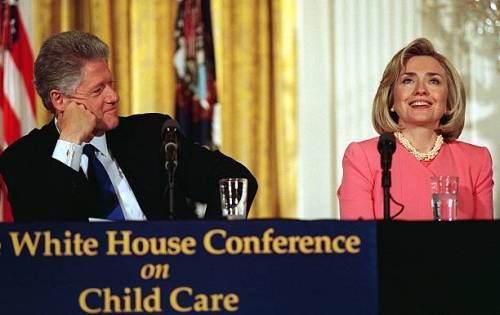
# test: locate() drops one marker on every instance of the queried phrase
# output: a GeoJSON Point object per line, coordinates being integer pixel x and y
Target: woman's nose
{"type": "Point", "coordinates": [420, 88]}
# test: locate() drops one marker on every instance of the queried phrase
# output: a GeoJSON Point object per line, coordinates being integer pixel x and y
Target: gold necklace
{"type": "Point", "coordinates": [417, 154]}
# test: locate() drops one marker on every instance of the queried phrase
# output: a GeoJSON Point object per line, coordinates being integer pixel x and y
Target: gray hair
{"type": "Point", "coordinates": [61, 59]}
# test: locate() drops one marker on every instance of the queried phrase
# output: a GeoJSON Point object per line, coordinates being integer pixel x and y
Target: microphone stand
{"type": "Point", "coordinates": [386, 185]}
{"type": "Point", "coordinates": [386, 147]}
{"type": "Point", "coordinates": [170, 188]}
{"type": "Point", "coordinates": [171, 166]}
{"type": "Point", "coordinates": [169, 147]}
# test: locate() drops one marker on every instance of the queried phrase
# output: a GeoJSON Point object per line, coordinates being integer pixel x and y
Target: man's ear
{"type": "Point", "coordinates": [57, 99]}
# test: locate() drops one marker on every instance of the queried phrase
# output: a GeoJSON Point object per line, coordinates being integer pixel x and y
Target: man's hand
{"type": "Point", "coordinates": [76, 123]}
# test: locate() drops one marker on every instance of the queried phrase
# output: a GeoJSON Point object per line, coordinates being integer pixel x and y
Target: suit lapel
{"type": "Point", "coordinates": [122, 150]}
{"type": "Point", "coordinates": [116, 144]}
{"type": "Point", "coordinates": [122, 144]}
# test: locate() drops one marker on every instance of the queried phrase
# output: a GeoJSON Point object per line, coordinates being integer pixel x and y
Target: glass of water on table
{"type": "Point", "coordinates": [233, 197]}
{"type": "Point", "coordinates": [444, 197]}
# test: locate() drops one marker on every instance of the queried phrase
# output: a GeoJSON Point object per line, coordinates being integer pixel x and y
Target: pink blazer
{"type": "Point", "coordinates": [361, 195]}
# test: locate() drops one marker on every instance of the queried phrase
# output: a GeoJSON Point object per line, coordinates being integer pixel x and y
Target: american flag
{"type": "Point", "coordinates": [17, 96]}
{"type": "Point", "coordinates": [196, 98]}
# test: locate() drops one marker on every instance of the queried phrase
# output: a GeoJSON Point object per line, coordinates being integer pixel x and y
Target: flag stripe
{"type": "Point", "coordinates": [11, 125]}
{"type": "Point", "coordinates": [17, 95]}
{"type": "Point", "coordinates": [25, 14]}
{"type": "Point", "coordinates": [15, 92]}
{"type": "Point", "coordinates": [23, 59]}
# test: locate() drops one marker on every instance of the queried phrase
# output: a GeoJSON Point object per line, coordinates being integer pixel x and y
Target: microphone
{"type": "Point", "coordinates": [386, 147]}
{"type": "Point", "coordinates": [169, 146]}
{"type": "Point", "coordinates": [170, 136]}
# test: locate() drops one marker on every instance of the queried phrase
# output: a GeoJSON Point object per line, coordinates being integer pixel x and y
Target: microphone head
{"type": "Point", "coordinates": [169, 147]}
{"type": "Point", "coordinates": [169, 124]}
{"type": "Point", "coordinates": [386, 143]}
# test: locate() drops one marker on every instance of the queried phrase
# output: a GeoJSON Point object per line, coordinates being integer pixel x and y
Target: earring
{"type": "Point", "coordinates": [392, 109]}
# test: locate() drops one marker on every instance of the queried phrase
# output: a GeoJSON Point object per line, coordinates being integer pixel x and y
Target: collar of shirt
{"type": "Point", "coordinates": [100, 144]}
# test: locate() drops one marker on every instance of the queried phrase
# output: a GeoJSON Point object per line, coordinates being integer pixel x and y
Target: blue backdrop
{"type": "Point", "coordinates": [289, 276]}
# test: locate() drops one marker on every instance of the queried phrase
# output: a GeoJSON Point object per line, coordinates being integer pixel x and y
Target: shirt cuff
{"type": "Point", "coordinates": [68, 153]}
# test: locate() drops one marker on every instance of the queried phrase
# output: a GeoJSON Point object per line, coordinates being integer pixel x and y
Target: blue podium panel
{"type": "Point", "coordinates": [192, 267]}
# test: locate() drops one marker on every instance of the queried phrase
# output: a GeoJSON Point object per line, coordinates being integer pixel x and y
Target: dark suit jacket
{"type": "Point", "coordinates": [41, 188]}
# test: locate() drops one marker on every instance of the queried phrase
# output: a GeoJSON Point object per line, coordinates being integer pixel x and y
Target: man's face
{"type": "Point", "coordinates": [97, 93]}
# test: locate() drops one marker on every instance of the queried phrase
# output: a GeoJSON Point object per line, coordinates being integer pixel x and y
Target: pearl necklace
{"type": "Point", "coordinates": [417, 154]}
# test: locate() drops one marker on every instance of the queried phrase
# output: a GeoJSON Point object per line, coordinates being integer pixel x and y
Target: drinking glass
{"type": "Point", "coordinates": [444, 197]}
{"type": "Point", "coordinates": [233, 198]}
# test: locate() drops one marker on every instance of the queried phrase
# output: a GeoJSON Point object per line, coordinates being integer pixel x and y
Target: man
{"type": "Point", "coordinates": [57, 172]}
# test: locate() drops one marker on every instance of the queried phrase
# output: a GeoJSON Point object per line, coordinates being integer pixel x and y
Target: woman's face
{"type": "Point", "coordinates": [421, 93]}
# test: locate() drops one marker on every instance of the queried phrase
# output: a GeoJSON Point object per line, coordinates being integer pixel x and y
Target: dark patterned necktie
{"type": "Point", "coordinates": [98, 176]}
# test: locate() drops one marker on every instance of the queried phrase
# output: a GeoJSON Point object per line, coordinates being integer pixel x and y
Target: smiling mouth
{"type": "Point", "coordinates": [417, 104]}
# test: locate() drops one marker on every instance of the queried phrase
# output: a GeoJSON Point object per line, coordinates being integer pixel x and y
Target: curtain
{"type": "Point", "coordinates": [256, 75]}
{"type": "Point", "coordinates": [141, 40]}
{"type": "Point", "coordinates": [255, 49]}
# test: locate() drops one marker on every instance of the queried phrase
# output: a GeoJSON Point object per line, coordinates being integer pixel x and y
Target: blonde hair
{"type": "Point", "coordinates": [452, 122]}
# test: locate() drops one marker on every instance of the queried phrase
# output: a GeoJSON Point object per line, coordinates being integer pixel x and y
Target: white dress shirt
{"type": "Point", "coordinates": [71, 155]}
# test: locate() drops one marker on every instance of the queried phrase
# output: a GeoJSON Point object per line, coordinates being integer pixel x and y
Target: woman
{"type": "Point", "coordinates": [421, 99]}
